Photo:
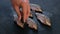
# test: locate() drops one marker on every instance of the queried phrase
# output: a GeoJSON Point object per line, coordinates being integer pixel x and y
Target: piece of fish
{"type": "Point", "coordinates": [19, 23]}
{"type": "Point", "coordinates": [35, 7]}
{"type": "Point", "coordinates": [44, 19]}
{"type": "Point", "coordinates": [31, 23]}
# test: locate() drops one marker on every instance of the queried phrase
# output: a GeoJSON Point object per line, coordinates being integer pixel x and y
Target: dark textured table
{"type": "Point", "coordinates": [50, 7]}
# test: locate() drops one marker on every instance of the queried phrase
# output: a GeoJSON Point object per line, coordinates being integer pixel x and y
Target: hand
{"type": "Point", "coordinates": [25, 10]}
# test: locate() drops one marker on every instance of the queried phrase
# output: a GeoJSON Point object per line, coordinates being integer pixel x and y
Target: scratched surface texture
{"type": "Point", "coordinates": [50, 8]}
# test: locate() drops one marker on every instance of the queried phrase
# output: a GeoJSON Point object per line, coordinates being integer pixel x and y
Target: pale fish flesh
{"type": "Point", "coordinates": [31, 23]}
{"type": "Point", "coordinates": [44, 19]}
{"type": "Point", "coordinates": [35, 7]}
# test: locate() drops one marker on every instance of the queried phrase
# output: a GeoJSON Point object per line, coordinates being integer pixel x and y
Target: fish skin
{"type": "Point", "coordinates": [35, 7]}
{"type": "Point", "coordinates": [31, 24]}
{"type": "Point", "coordinates": [44, 19]}
{"type": "Point", "coordinates": [19, 23]}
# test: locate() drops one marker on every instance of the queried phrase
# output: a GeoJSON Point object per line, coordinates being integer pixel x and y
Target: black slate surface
{"type": "Point", "coordinates": [51, 8]}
